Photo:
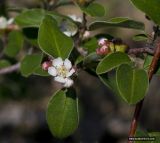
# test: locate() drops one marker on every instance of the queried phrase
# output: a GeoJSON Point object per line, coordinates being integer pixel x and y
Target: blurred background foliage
{"type": "Point", "coordinates": [104, 117]}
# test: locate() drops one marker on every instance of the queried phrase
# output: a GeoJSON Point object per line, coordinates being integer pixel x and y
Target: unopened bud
{"type": "Point", "coordinates": [102, 42]}
{"type": "Point", "coordinates": [104, 50]}
{"type": "Point", "coordinates": [46, 65]}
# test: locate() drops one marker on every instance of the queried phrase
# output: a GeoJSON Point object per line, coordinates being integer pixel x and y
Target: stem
{"type": "Point", "coordinates": [139, 105]}
{"type": "Point", "coordinates": [141, 50]}
{"type": "Point", "coordinates": [10, 69]}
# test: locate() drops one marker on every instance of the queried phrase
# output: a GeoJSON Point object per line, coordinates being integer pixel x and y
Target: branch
{"type": "Point", "coordinates": [139, 105]}
{"type": "Point", "coordinates": [141, 50]}
{"type": "Point", "coordinates": [10, 69]}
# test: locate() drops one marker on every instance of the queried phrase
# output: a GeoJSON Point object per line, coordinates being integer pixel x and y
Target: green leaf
{"type": "Point", "coordinates": [109, 80]}
{"type": "Point", "coordinates": [140, 37]}
{"type": "Point", "coordinates": [132, 83]}
{"type": "Point", "coordinates": [52, 41]}
{"type": "Point", "coordinates": [15, 43]}
{"type": "Point", "coordinates": [123, 22]}
{"type": "Point", "coordinates": [39, 71]}
{"type": "Point", "coordinates": [30, 18]}
{"type": "Point", "coordinates": [94, 10]}
{"type": "Point", "coordinates": [62, 113]}
{"type": "Point", "coordinates": [30, 63]}
{"type": "Point", "coordinates": [150, 7]}
{"type": "Point", "coordinates": [91, 45]}
{"type": "Point", "coordinates": [156, 136]}
{"type": "Point", "coordinates": [31, 35]}
{"type": "Point", "coordinates": [91, 60]}
{"type": "Point", "coordinates": [112, 61]}
{"type": "Point", "coordinates": [4, 63]}
{"type": "Point", "coordinates": [142, 134]}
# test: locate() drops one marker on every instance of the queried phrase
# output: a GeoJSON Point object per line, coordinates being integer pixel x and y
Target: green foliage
{"type": "Point", "coordinates": [112, 61]}
{"type": "Point", "coordinates": [30, 63]}
{"type": "Point", "coordinates": [15, 43]}
{"type": "Point", "coordinates": [94, 10]}
{"type": "Point", "coordinates": [62, 113]}
{"type": "Point", "coordinates": [123, 22]}
{"type": "Point", "coordinates": [30, 18]}
{"type": "Point", "coordinates": [52, 41]}
{"type": "Point", "coordinates": [150, 7]}
{"type": "Point", "coordinates": [91, 45]}
{"type": "Point", "coordinates": [4, 63]}
{"type": "Point", "coordinates": [132, 83]}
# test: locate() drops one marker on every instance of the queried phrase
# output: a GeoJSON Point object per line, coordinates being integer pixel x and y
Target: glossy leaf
{"type": "Point", "coordinates": [30, 63]}
{"type": "Point", "coordinates": [30, 18]}
{"type": "Point", "coordinates": [62, 113]}
{"type": "Point", "coordinates": [112, 61]}
{"type": "Point", "coordinates": [52, 41]}
{"type": "Point", "coordinates": [4, 63]}
{"type": "Point", "coordinates": [39, 71]}
{"type": "Point", "coordinates": [150, 7]}
{"type": "Point", "coordinates": [15, 43]}
{"type": "Point", "coordinates": [132, 83]}
{"type": "Point", "coordinates": [94, 9]}
{"type": "Point", "coordinates": [109, 80]}
{"type": "Point", "coordinates": [117, 22]}
{"type": "Point", "coordinates": [91, 45]}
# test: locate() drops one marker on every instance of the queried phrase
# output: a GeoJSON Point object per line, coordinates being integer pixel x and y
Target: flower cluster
{"type": "Point", "coordinates": [61, 70]}
{"type": "Point", "coordinates": [4, 23]}
{"type": "Point", "coordinates": [104, 48]}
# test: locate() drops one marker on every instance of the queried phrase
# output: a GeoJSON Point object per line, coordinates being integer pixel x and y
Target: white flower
{"type": "Point", "coordinates": [62, 70]}
{"type": "Point", "coordinates": [75, 18]}
{"type": "Point", "coordinates": [4, 22]}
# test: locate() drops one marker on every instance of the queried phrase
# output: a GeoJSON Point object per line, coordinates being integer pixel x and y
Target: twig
{"type": "Point", "coordinates": [10, 69]}
{"type": "Point", "coordinates": [139, 105]}
{"type": "Point", "coordinates": [141, 50]}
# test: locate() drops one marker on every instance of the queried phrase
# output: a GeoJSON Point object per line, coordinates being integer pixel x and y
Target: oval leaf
{"type": "Point", "coordinates": [150, 7]}
{"type": "Point", "coordinates": [94, 9]}
{"type": "Point", "coordinates": [52, 41]}
{"type": "Point", "coordinates": [62, 113]}
{"type": "Point", "coordinates": [15, 43]}
{"type": "Point", "coordinates": [132, 83]}
{"type": "Point", "coordinates": [30, 63]}
{"type": "Point", "coordinates": [123, 22]}
{"type": "Point", "coordinates": [112, 61]}
{"type": "Point", "coordinates": [30, 18]}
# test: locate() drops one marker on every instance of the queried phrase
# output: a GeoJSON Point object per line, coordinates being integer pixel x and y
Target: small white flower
{"type": "Point", "coordinates": [75, 18]}
{"type": "Point", "coordinates": [4, 22]}
{"type": "Point", "coordinates": [86, 34]}
{"type": "Point", "coordinates": [62, 71]}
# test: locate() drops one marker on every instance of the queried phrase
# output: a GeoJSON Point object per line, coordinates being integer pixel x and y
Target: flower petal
{"type": "Point", "coordinates": [57, 62]}
{"type": "Point", "coordinates": [72, 71]}
{"type": "Point", "coordinates": [3, 22]}
{"type": "Point", "coordinates": [68, 82]}
{"type": "Point", "coordinates": [68, 33]}
{"type": "Point", "coordinates": [60, 79]}
{"type": "Point", "coordinates": [67, 64]}
{"type": "Point", "coordinates": [52, 71]}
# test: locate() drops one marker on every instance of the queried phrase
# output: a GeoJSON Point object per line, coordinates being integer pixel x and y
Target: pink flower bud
{"type": "Point", "coordinates": [46, 65]}
{"type": "Point", "coordinates": [102, 42]}
{"type": "Point", "coordinates": [104, 50]}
